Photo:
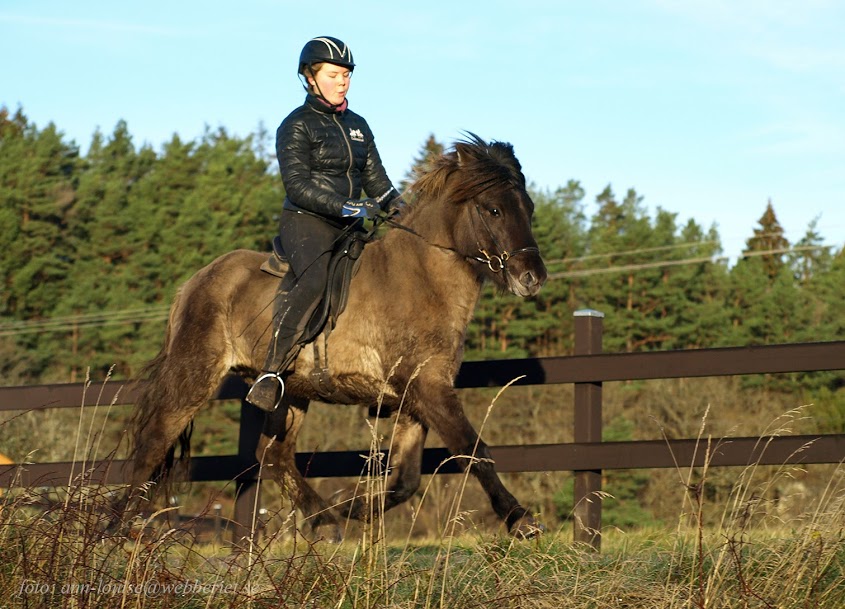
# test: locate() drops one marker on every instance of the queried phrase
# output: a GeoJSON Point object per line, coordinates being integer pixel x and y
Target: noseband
{"type": "Point", "coordinates": [495, 262]}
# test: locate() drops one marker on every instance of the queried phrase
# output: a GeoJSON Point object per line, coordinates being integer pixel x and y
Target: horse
{"type": "Point", "coordinates": [414, 292]}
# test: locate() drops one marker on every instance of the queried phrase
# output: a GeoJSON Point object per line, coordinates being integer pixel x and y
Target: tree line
{"type": "Point", "coordinates": [94, 246]}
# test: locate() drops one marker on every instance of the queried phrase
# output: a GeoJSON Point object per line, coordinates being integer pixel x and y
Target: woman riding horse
{"type": "Point", "coordinates": [469, 222]}
{"type": "Point", "coordinates": [327, 155]}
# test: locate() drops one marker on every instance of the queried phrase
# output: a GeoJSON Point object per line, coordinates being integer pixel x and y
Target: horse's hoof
{"type": "Point", "coordinates": [119, 525]}
{"type": "Point", "coordinates": [330, 533]}
{"type": "Point", "coordinates": [527, 528]}
{"type": "Point", "coordinates": [350, 505]}
{"type": "Point", "coordinates": [112, 527]}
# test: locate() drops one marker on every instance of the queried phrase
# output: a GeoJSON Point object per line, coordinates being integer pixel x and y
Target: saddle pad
{"type": "Point", "coordinates": [274, 266]}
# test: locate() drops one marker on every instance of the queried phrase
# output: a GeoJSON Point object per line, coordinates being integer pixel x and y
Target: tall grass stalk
{"type": "Point", "coordinates": [752, 557]}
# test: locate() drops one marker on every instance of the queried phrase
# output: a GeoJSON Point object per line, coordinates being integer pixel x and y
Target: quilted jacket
{"type": "Point", "coordinates": [327, 157]}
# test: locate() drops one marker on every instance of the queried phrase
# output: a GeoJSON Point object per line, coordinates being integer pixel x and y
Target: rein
{"type": "Point", "coordinates": [495, 262]}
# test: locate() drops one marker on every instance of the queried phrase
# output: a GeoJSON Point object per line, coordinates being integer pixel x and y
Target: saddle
{"type": "Point", "coordinates": [342, 267]}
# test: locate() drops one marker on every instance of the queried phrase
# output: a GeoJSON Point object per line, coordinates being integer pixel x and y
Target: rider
{"type": "Point", "coordinates": [327, 157]}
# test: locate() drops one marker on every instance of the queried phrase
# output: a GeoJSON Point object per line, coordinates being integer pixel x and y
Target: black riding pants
{"type": "Point", "coordinates": [308, 242]}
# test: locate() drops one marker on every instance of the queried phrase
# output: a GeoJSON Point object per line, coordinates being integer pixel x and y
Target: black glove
{"type": "Point", "coordinates": [361, 208]}
{"type": "Point", "coordinates": [395, 206]}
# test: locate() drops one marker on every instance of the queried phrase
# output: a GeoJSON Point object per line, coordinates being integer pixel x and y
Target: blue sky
{"type": "Point", "coordinates": [707, 108]}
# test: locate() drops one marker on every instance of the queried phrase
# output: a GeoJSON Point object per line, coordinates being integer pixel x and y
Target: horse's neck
{"type": "Point", "coordinates": [438, 271]}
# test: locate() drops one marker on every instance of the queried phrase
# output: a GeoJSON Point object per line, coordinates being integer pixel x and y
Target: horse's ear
{"type": "Point", "coordinates": [464, 153]}
{"type": "Point", "coordinates": [470, 149]}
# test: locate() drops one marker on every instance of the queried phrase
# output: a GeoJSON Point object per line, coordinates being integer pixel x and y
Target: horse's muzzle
{"type": "Point", "coordinates": [528, 280]}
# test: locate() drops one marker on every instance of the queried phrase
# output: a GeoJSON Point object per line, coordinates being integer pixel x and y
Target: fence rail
{"type": "Point", "coordinates": [587, 456]}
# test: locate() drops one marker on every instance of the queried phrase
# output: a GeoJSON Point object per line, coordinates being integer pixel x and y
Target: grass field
{"type": "Point", "coordinates": [59, 557]}
{"type": "Point", "coordinates": [738, 549]}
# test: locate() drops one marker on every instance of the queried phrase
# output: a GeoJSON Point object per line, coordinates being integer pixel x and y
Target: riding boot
{"type": "Point", "coordinates": [267, 390]}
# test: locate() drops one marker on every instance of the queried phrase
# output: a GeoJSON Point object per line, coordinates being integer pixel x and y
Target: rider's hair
{"type": "Point", "coordinates": [311, 72]}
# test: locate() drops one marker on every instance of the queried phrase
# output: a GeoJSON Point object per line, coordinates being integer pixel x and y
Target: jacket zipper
{"type": "Point", "coordinates": [349, 148]}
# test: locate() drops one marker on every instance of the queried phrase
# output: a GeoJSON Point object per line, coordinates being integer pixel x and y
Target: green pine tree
{"type": "Point", "coordinates": [769, 242]}
{"type": "Point", "coordinates": [37, 177]}
{"type": "Point", "coordinates": [764, 299]}
{"type": "Point", "coordinates": [430, 150]}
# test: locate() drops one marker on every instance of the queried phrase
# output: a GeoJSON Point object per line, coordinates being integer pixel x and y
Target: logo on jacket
{"type": "Point", "coordinates": [356, 135]}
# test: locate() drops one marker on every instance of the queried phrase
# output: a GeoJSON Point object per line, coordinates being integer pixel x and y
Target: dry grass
{"type": "Point", "coordinates": [741, 551]}
{"type": "Point", "coordinates": [59, 559]}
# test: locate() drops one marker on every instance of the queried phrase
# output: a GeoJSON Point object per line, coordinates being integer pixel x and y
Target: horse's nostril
{"type": "Point", "coordinates": [528, 279]}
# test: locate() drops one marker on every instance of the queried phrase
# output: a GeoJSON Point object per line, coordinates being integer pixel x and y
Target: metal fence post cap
{"type": "Point", "coordinates": [587, 313]}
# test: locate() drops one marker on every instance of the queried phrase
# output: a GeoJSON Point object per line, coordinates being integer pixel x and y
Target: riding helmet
{"type": "Point", "coordinates": [325, 49]}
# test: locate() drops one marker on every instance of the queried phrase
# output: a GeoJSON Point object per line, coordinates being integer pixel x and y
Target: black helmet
{"type": "Point", "coordinates": [325, 49]}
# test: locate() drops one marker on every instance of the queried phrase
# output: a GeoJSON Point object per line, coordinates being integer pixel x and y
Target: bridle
{"type": "Point", "coordinates": [496, 262]}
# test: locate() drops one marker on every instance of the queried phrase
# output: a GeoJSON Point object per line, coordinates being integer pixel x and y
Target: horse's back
{"type": "Point", "coordinates": [233, 298]}
{"type": "Point", "coordinates": [235, 264]}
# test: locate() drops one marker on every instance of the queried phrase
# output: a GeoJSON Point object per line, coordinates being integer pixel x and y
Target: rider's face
{"type": "Point", "coordinates": [332, 81]}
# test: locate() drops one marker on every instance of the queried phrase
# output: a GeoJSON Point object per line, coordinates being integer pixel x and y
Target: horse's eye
{"type": "Point", "coordinates": [494, 211]}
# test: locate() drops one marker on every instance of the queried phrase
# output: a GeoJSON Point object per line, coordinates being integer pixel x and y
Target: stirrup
{"type": "Point", "coordinates": [258, 394]}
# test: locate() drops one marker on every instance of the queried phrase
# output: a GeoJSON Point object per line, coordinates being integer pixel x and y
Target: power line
{"type": "Point", "coordinates": [70, 323]}
{"type": "Point", "coordinates": [664, 263]}
{"type": "Point", "coordinates": [783, 250]}
{"type": "Point", "coordinates": [75, 322]}
{"type": "Point", "coordinates": [686, 244]}
{"type": "Point", "coordinates": [83, 318]}
{"type": "Point", "coordinates": [71, 328]}
{"type": "Point", "coordinates": [636, 267]}
{"type": "Point", "coordinates": [643, 250]}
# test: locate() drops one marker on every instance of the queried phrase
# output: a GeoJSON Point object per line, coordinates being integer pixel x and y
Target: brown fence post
{"type": "Point", "coordinates": [588, 424]}
{"type": "Point", "coordinates": [247, 498]}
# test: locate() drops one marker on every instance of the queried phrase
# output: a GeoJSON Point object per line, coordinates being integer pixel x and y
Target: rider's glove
{"type": "Point", "coordinates": [361, 208]}
{"type": "Point", "coordinates": [395, 206]}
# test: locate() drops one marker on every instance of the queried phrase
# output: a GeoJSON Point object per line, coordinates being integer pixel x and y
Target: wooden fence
{"type": "Point", "coordinates": [587, 456]}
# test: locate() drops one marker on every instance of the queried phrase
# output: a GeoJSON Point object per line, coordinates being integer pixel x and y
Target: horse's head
{"type": "Point", "coordinates": [492, 212]}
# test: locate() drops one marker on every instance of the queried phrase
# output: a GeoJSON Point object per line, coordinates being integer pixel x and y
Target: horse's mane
{"type": "Point", "coordinates": [481, 165]}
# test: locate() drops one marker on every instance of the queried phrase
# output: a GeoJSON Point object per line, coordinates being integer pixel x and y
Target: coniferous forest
{"type": "Point", "coordinates": [93, 247]}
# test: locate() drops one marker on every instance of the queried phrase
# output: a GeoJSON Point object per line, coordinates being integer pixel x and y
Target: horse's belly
{"type": "Point", "coordinates": [356, 372]}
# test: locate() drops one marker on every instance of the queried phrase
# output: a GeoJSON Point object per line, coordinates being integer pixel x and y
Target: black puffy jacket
{"type": "Point", "coordinates": [327, 157]}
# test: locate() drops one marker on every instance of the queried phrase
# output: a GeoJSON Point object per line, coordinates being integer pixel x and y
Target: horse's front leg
{"type": "Point", "coordinates": [277, 451]}
{"type": "Point", "coordinates": [404, 463]}
{"type": "Point", "coordinates": [440, 408]}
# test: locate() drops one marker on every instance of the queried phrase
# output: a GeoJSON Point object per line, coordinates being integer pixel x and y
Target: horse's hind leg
{"type": "Point", "coordinates": [277, 451]}
{"type": "Point", "coordinates": [405, 465]}
{"type": "Point", "coordinates": [155, 435]}
{"type": "Point", "coordinates": [154, 438]}
{"type": "Point", "coordinates": [180, 381]}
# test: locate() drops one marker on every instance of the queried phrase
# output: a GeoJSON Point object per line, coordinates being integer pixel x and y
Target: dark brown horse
{"type": "Point", "coordinates": [414, 294]}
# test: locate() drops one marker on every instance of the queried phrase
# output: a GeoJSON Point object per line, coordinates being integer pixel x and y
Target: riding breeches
{"type": "Point", "coordinates": [308, 242]}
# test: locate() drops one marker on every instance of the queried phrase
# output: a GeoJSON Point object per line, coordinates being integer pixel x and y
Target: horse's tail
{"type": "Point", "coordinates": [156, 392]}
{"type": "Point", "coordinates": [163, 473]}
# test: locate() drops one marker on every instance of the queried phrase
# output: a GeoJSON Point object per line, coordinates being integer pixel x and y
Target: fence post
{"type": "Point", "coordinates": [173, 502]}
{"type": "Point", "coordinates": [218, 523]}
{"type": "Point", "coordinates": [247, 498]}
{"type": "Point", "coordinates": [588, 424]}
